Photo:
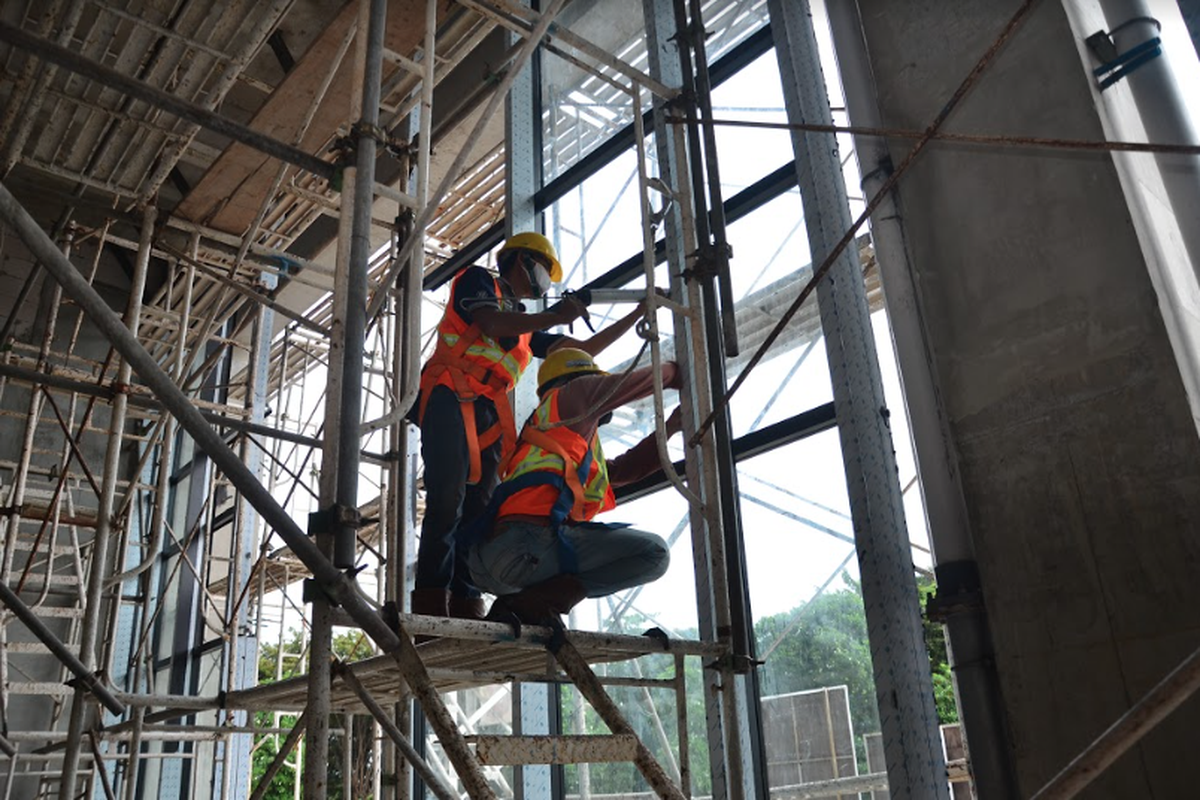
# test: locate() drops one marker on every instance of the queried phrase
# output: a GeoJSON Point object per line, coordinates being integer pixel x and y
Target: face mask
{"type": "Point", "coordinates": [539, 279]}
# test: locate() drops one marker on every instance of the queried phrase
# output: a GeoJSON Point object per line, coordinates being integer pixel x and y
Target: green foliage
{"type": "Point", "coordinates": [349, 646]}
{"type": "Point", "coordinates": [823, 643]}
{"type": "Point", "coordinates": [935, 643]}
{"type": "Point", "coordinates": [281, 787]}
{"type": "Point", "coordinates": [647, 713]}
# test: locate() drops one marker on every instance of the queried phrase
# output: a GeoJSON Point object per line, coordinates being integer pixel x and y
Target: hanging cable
{"type": "Point", "coordinates": [883, 192]}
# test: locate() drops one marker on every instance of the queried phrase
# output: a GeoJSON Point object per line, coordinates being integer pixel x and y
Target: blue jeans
{"type": "Point", "coordinates": [608, 559]}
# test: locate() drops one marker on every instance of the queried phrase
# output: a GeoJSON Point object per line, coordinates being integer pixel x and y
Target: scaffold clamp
{"type": "Point", "coordinates": [311, 590]}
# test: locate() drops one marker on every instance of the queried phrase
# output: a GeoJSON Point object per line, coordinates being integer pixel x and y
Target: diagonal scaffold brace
{"type": "Point", "coordinates": [332, 581]}
{"type": "Point", "coordinates": [581, 674]}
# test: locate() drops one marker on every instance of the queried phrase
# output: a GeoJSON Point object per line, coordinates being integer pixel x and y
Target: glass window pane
{"type": "Point", "coordinates": [668, 603]}
{"type": "Point", "coordinates": [746, 154]}
{"type": "Point", "coordinates": [599, 224]}
{"type": "Point", "coordinates": [727, 23]}
{"type": "Point", "coordinates": [818, 696]}
{"type": "Point", "coordinates": [582, 108]}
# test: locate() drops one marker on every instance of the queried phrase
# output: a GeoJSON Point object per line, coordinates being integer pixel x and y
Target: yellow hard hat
{"type": "Point", "coordinates": [565, 361]}
{"type": "Point", "coordinates": [538, 244]}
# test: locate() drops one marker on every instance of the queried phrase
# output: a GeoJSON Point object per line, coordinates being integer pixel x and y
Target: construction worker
{"type": "Point", "coordinates": [538, 550]}
{"type": "Point", "coordinates": [485, 341]}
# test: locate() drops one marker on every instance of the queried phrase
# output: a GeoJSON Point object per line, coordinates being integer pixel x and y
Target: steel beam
{"type": "Point", "coordinates": [903, 686]}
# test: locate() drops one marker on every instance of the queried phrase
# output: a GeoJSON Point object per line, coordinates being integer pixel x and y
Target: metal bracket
{"type": "Point", "coordinates": [311, 589]}
{"type": "Point", "coordinates": [323, 520]}
{"type": "Point", "coordinates": [706, 260]}
{"type": "Point", "coordinates": [738, 664]}
{"type": "Point", "coordinates": [1115, 66]}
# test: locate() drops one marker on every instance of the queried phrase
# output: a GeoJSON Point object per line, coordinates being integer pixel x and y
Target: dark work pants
{"type": "Point", "coordinates": [449, 500]}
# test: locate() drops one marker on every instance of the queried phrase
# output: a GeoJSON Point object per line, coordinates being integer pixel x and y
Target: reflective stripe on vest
{"type": "Point", "coordinates": [466, 360]}
{"type": "Point", "coordinates": [474, 365]}
{"type": "Point", "coordinates": [558, 450]}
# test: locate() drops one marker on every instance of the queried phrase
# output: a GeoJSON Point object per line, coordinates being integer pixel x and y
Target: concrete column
{"type": "Point", "coordinates": [903, 686]}
{"type": "Point", "coordinates": [958, 598]}
{"type": "Point", "coordinates": [1077, 452]}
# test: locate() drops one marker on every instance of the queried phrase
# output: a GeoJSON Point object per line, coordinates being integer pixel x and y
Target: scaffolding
{"type": "Point", "coordinates": [175, 458]}
{"type": "Point", "coordinates": [170, 469]}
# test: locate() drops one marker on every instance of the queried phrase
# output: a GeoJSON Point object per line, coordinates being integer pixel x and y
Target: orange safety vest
{"type": "Point", "coordinates": [560, 452]}
{"type": "Point", "coordinates": [474, 365]}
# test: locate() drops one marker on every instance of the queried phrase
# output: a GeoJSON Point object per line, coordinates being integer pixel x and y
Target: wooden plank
{"type": "Point", "coordinates": [230, 193]}
{"type": "Point", "coordinates": [505, 750]}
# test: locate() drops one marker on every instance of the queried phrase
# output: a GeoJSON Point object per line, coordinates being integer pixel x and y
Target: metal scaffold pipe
{"type": "Point", "coordinates": [289, 743]}
{"type": "Point", "coordinates": [431, 778]}
{"type": "Point", "coordinates": [1168, 695]}
{"type": "Point", "coordinates": [432, 203]}
{"type": "Point", "coordinates": [165, 100]}
{"type": "Point", "coordinates": [86, 677]}
{"type": "Point", "coordinates": [332, 581]}
{"type": "Point", "coordinates": [90, 633]}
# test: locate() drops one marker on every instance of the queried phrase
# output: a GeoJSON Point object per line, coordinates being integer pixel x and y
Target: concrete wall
{"type": "Point", "coordinates": [1079, 459]}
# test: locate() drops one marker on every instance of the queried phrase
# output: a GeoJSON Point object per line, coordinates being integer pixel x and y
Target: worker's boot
{"type": "Point", "coordinates": [540, 604]}
{"type": "Point", "coordinates": [467, 607]}
{"type": "Point", "coordinates": [434, 602]}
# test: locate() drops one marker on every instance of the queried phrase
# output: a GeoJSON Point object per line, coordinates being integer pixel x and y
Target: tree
{"type": "Point", "coordinates": [939, 663]}
{"type": "Point", "coordinates": [349, 646]}
{"type": "Point", "coordinates": [822, 643]}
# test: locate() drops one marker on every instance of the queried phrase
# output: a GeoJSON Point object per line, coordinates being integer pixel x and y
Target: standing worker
{"type": "Point", "coordinates": [485, 341]}
{"type": "Point", "coordinates": [537, 548]}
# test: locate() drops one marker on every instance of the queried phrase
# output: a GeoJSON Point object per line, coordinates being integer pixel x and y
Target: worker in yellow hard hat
{"type": "Point", "coordinates": [485, 340]}
{"type": "Point", "coordinates": [537, 547]}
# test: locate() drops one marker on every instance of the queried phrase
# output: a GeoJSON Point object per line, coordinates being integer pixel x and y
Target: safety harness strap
{"type": "Point", "coordinates": [451, 362]}
{"type": "Point", "coordinates": [481, 528]}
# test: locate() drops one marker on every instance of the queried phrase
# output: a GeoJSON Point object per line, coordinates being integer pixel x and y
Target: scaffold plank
{"type": "Point", "coordinates": [594, 749]}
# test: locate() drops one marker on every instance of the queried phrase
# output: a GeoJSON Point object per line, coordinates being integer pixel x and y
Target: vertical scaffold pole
{"type": "Point", "coordinates": [108, 485]}
{"type": "Point", "coordinates": [343, 418]}
{"type": "Point", "coordinates": [694, 350]}
{"type": "Point", "coordinates": [532, 702]}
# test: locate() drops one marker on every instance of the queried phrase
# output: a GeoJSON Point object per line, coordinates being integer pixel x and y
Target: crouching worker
{"type": "Point", "coordinates": [485, 341]}
{"type": "Point", "coordinates": [538, 549]}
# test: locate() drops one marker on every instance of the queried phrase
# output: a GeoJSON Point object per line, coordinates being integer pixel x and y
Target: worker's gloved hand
{"type": "Point", "coordinates": [572, 306]}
